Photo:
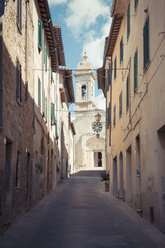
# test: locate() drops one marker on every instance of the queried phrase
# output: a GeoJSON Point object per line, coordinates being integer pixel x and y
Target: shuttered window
{"type": "Point", "coordinates": [127, 93]}
{"type": "Point", "coordinates": [121, 50]}
{"type": "Point", "coordinates": [120, 105]}
{"type": "Point", "coordinates": [39, 93]}
{"type": "Point", "coordinates": [146, 44]}
{"type": "Point", "coordinates": [135, 71]}
{"type": "Point", "coordinates": [115, 65]}
{"type": "Point", "coordinates": [128, 21]}
{"type": "Point", "coordinates": [114, 115]}
{"type": "Point", "coordinates": [52, 114]}
{"type": "Point", "coordinates": [39, 34]}
{"type": "Point", "coordinates": [135, 3]}
{"type": "Point", "coordinates": [46, 59]}
{"type": "Point", "coordinates": [18, 82]}
{"type": "Point", "coordinates": [19, 14]}
{"type": "Point", "coordinates": [46, 109]}
{"type": "Point", "coordinates": [2, 6]}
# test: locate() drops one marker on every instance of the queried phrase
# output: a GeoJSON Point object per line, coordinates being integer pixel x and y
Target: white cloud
{"type": "Point", "coordinates": [95, 46]}
{"type": "Point", "coordinates": [100, 101]}
{"type": "Point", "coordinates": [56, 2]}
{"type": "Point", "coordinates": [84, 13]}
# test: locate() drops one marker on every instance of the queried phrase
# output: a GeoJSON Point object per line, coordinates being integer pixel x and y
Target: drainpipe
{"type": "Point", "coordinates": [1, 72]}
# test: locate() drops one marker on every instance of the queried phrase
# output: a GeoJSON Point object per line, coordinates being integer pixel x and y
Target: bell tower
{"type": "Point", "coordinates": [85, 87]}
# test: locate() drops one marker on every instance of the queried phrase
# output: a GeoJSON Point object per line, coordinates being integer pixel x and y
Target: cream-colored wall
{"type": "Point", "coordinates": [146, 113]}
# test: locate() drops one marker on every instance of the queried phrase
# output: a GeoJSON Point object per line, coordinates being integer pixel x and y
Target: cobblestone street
{"type": "Point", "coordinates": [80, 214]}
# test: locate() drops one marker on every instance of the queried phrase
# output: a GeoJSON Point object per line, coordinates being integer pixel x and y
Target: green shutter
{"type": "Point", "coordinates": [146, 44]}
{"type": "Point", "coordinates": [52, 114]}
{"type": "Point", "coordinates": [135, 70]}
{"type": "Point", "coordinates": [39, 93]}
{"type": "Point", "coordinates": [56, 131]}
{"type": "Point", "coordinates": [46, 60]}
{"type": "Point", "coordinates": [136, 3]}
{"type": "Point", "coordinates": [128, 21]}
{"type": "Point", "coordinates": [127, 94]}
{"type": "Point", "coordinates": [120, 104]}
{"type": "Point", "coordinates": [39, 34]}
{"type": "Point", "coordinates": [114, 115]}
{"type": "Point", "coordinates": [115, 64]}
{"type": "Point", "coordinates": [121, 50]}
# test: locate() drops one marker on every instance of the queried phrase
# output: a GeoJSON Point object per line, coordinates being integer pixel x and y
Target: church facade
{"type": "Point", "coordinates": [89, 141]}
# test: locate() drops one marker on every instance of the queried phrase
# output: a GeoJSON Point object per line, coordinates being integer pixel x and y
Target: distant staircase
{"type": "Point", "coordinates": [87, 173]}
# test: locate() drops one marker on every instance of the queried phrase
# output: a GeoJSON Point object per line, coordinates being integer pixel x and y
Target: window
{"type": "Point", "coordinates": [19, 14]}
{"type": "Point", "coordinates": [2, 7]}
{"type": "Point", "coordinates": [114, 115]}
{"type": "Point", "coordinates": [135, 70]}
{"type": "Point", "coordinates": [39, 93]}
{"type": "Point", "coordinates": [46, 109]}
{"type": "Point", "coordinates": [121, 50]}
{"type": "Point", "coordinates": [135, 3]}
{"type": "Point", "coordinates": [108, 116]}
{"type": "Point", "coordinates": [115, 62]}
{"type": "Point", "coordinates": [18, 82]}
{"type": "Point", "coordinates": [127, 93]}
{"type": "Point", "coordinates": [46, 59]}
{"type": "Point", "coordinates": [146, 44]}
{"type": "Point", "coordinates": [120, 105]}
{"type": "Point", "coordinates": [128, 21]}
{"type": "Point", "coordinates": [83, 92]}
{"type": "Point", "coordinates": [17, 175]}
{"type": "Point", "coordinates": [39, 34]}
{"type": "Point", "coordinates": [52, 114]}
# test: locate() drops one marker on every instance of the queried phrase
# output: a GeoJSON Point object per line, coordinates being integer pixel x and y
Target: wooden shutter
{"type": "Point", "coordinates": [115, 68]}
{"type": "Point", "coordinates": [39, 34]}
{"type": "Point", "coordinates": [121, 50]}
{"type": "Point", "coordinates": [135, 3]}
{"type": "Point", "coordinates": [120, 104]}
{"type": "Point", "coordinates": [114, 115]}
{"type": "Point", "coordinates": [127, 93]}
{"type": "Point", "coordinates": [2, 6]}
{"type": "Point", "coordinates": [39, 93]}
{"type": "Point", "coordinates": [135, 70]}
{"type": "Point", "coordinates": [128, 21]}
{"type": "Point", "coordinates": [146, 44]}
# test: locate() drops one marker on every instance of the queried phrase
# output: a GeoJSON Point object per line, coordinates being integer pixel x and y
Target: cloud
{"type": "Point", "coordinates": [84, 13]}
{"type": "Point", "coordinates": [100, 101]}
{"type": "Point", "coordinates": [95, 46]}
{"type": "Point", "coordinates": [56, 2]}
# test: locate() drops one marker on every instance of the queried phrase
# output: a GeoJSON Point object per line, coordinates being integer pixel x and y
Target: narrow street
{"type": "Point", "coordinates": [80, 214]}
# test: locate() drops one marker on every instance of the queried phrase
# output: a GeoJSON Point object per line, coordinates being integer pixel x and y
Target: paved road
{"type": "Point", "coordinates": [79, 214]}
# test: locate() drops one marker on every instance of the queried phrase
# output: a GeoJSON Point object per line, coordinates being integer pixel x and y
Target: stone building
{"type": "Point", "coordinates": [89, 151]}
{"type": "Point", "coordinates": [16, 134]}
{"type": "Point", "coordinates": [134, 63]}
{"type": "Point", "coordinates": [31, 52]}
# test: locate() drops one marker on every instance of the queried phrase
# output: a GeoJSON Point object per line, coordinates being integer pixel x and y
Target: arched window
{"type": "Point", "coordinates": [83, 92]}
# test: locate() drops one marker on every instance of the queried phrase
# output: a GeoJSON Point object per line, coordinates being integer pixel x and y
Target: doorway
{"type": "Point", "coordinates": [115, 188]}
{"type": "Point", "coordinates": [121, 175]}
{"type": "Point", "coordinates": [8, 181]}
{"type": "Point", "coordinates": [98, 159]}
{"type": "Point", "coordinates": [128, 176]}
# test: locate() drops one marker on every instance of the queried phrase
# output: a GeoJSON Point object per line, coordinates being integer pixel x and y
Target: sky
{"type": "Point", "coordinates": [84, 25]}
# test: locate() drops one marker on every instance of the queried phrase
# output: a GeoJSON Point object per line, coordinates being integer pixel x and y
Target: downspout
{"type": "Point", "coordinates": [1, 72]}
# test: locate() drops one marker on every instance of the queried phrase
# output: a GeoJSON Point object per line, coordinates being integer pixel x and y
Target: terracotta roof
{"type": "Point", "coordinates": [101, 79]}
{"type": "Point", "coordinates": [115, 27]}
{"type": "Point", "coordinates": [49, 31]}
{"type": "Point", "coordinates": [68, 84]}
{"type": "Point", "coordinates": [60, 49]}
